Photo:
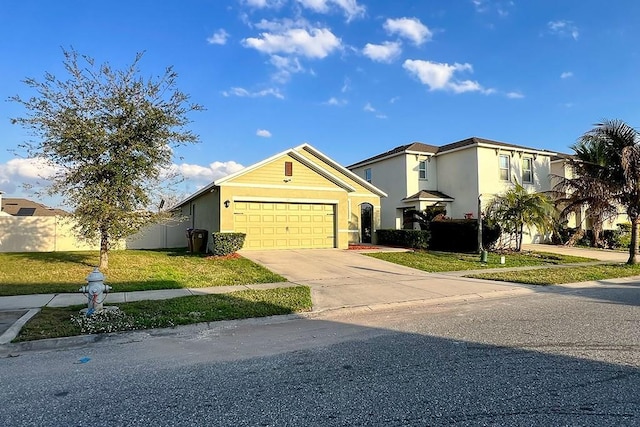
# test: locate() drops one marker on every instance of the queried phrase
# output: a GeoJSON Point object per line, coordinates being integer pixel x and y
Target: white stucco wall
{"type": "Point", "coordinates": [458, 178]}
{"type": "Point", "coordinates": [414, 183]}
{"type": "Point", "coordinates": [389, 175]}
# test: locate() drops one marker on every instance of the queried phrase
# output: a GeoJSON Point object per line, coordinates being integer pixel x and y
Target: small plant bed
{"type": "Point", "coordinates": [436, 262]}
{"type": "Point", "coordinates": [65, 322]}
{"type": "Point", "coordinates": [556, 276]}
{"type": "Point", "coordinates": [129, 270]}
{"type": "Point", "coordinates": [361, 247]}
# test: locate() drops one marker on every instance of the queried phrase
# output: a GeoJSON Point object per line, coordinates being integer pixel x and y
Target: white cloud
{"type": "Point", "coordinates": [241, 92]}
{"type": "Point", "coordinates": [219, 37]}
{"type": "Point", "coordinates": [566, 75]}
{"type": "Point", "coordinates": [286, 67]}
{"type": "Point", "coordinates": [394, 99]}
{"type": "Point", "coordinates": [386, 52]}
{"type": "Point", "coordinates": [440, 76]}
{"type": "Point", "coordinates": [263, 133]}
{"type": "Point", "coordinates": [335, 101]}
{"type": "Point", "coordinates": [31, 172]}
{"type": "Point", "coordinates": [316, 43]}
{"type": "Point", "coordinates": [369, 109]}
{"type": "Point", "coordinates": [205, 174]}
{"type": "Point", "coordinates": [563, 29]}
{"type": "Point", "coordinates": [350, 8]}
{"type": "Point", "coordinates": [409, 28]}
{"type": "Point", "coordinates": [514, 95]}
{"type": "Point", "coordinates": [501, 7]}
{"type": "Point", "coordinates": [264, 4]}
{"type": "Point", "coordinates": [346, 86]}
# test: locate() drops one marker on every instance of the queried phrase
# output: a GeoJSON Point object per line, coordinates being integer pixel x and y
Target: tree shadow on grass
{"type": "Point", "coordinates": [82, 258]}
{"type": "Point", "coordinates": [9, 289]}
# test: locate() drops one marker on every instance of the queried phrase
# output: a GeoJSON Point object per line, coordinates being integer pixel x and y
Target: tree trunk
{"type": "Point", "coordinates": [104, 250]}
{"type": "Point", "coordinates": [633, 246]}
{"type": "Point", "coordinates": [519, 238]}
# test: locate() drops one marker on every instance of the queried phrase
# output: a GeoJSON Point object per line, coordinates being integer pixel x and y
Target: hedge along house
{"type": "Point", "coordinates": [299, 198]}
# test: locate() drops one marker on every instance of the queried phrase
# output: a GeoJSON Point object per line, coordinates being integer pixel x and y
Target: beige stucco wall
{"type": "Point", "coordinates": [458, 178]}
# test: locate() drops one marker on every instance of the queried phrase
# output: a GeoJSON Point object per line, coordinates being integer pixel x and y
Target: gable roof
{"type": "Point", "coordinates": [295, 153]}
{"type": "Point", "coordinates": [484, 142]}
{"type": "Point", "coordinates": [413, 148]}
{"type": "Point", "coordinates": [426, 149]}
{"type": "Point", "coordinates": [430, 195]}
{"type": "Point", "coordinates": [24, 207]}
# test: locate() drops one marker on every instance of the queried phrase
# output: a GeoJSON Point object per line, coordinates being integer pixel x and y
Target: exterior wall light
{"type": "Point", "coordinates": [227, 203]}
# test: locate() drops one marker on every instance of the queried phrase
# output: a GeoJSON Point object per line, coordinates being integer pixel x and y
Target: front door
{"type": "Point", "coordinates": [366, 222]}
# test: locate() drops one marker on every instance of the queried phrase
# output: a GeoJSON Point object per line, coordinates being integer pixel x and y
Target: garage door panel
{"type": "Point", "coordinates": [285, 225]}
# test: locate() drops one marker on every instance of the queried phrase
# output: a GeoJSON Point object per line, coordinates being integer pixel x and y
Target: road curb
{"type": "Point", "coordinates": [14, 329]}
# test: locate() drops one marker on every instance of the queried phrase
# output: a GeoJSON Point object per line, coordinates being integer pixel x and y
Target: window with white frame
{"type": "Point", "coordinates": [422, 169]}
{"type": "Point", "coordinates": [367, 174]}
{"type": "Point", "coordinates": [527, 170]}
{"type": "Point", "coordinates": [505, 167]}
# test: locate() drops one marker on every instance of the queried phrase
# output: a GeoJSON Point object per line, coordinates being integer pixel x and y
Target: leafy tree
{"type": "Point", "coordinates": [517, 208]}
{"type": "Point", "coordinates": [614, 179]}
{"type": "Point", "coordinates": [109, 135]}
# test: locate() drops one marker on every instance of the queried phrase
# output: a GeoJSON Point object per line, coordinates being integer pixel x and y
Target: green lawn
{"type": "Point", "coordinates": [130, 270]}
{"type": "Point", "coordinates": [436, 262]}
{"type": "Point", "coordinates": [63, 322]}
{"type": "Point", "coordinates": [556, 276]}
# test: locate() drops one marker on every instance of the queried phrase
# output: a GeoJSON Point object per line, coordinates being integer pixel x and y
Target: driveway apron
{"type": "Point", "coordinates": [343, 278]}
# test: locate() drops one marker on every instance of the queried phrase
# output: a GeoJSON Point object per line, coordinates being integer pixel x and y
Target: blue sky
{"type": "Point", "coordinates": [351, 77]}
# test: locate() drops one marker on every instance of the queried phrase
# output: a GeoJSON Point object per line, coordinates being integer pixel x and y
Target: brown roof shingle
{"type": "Point", "coordinates": [25, 207]}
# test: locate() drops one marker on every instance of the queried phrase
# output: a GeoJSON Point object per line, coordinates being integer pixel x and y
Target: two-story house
{"type": "Point", "coordinates": [457, 177]}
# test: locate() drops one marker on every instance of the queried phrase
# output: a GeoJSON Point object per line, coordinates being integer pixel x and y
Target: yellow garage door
{"type": "Point", "coordinates": [285, 225]}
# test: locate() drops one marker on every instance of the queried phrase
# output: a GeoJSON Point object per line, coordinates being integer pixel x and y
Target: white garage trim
{"type": "Point", "coordinates": [284, 200]}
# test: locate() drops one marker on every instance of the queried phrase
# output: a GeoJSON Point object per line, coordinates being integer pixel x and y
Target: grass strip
{"type": "Point", "coordinates": [437, 262]}
{"type": "Point", "coordinates": [556, 276]}
{"type": "Point", "coordinates": [65, 322]}
{"type": "Point", "coordinates": [129, 270]}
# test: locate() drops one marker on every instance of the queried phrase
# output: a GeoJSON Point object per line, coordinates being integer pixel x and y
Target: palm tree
{"type": "Point", "coordinates": [586, 187]}
{"type": "Point", "coordinates": [517, 208]}
{"type": "Point", "coordinates": [613, 179]}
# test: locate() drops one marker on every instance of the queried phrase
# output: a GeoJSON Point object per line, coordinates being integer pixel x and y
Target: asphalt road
{"type": "Point", "coordinates": [542, 359]}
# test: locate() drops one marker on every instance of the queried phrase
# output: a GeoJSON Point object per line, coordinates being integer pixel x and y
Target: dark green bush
{"type": "Point", "coordinates": [227, 243]}
{"type": "Point", "coordinates": [417, 239]}
{"type": "Point", "coordinates": [490, 234]}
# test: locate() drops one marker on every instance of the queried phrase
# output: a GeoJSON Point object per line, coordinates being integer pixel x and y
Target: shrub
{"type": "Point", "coordinates": [490, 234]}
{"type": "Point", "coordinates": [417, 239]}
{"type": "Point", "coordinates": [227, 243]}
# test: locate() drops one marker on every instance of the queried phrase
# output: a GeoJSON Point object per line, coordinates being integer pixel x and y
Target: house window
{"type": "Point", "coordinates": [504, 167]}
{"type": "Point", "coordinates": [422, 170]}
{"type": "Point", "coordinates": [367, 174]}
{"type": "Point", "coordinates": [527, 170]}
{"type": "Point", "coordinates": [288, 169]}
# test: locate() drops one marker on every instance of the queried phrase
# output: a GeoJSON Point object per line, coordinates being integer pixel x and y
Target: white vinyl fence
{"type": "Point", "coordinates": [54, 233]}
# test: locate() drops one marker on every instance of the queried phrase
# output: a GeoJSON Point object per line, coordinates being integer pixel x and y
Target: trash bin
{"type": "Point", "coordinates": [199, 239]}
{"type": "Point", "coordinates": [189, 239]}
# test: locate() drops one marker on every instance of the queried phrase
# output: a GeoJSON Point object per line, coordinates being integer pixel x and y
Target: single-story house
{"type": "Point", "coordinates": [299, 198]}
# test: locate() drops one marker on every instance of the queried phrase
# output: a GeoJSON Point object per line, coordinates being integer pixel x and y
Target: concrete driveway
{"type": "Point", "coordinates": [343, 278]}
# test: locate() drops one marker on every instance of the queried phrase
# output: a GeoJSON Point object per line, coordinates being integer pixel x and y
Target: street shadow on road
{"type": "Point", "coordinates": [323, 373]}
{"type": "Point", "coordinates": [618, 293]}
